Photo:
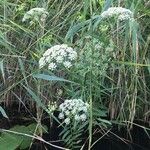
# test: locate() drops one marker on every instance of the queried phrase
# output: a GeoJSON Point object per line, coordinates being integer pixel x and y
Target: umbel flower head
{"type": "Point", "coordinates": [52, 107]}
{"type": "Point", "coordinates": [121, 13]}
{"type": "Point", "coordinates": [58, 55]}
{"type": "Point", "coordinates": [37, 14]}
{"type": "Point", "coordinates": [73, 109]}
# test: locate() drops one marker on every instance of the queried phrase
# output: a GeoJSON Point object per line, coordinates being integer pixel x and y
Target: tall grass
{"type": "Point", "coordinates": [120, 85]}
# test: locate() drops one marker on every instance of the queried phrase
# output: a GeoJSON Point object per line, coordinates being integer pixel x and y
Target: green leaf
{"type": "Point", "coordinates": [66, 134]}
{"type": "Point", "coordinates": [3, 112]}
{"type": "Point", "coordinates": [100, 113]}
{"type": "Point", "coordinates": [23, 70]}
{"type": "Point", "coordinates": [35, 98]}
{"type": "Point", "coordinates": [76, 28]}
{"type": "Point", "coordinates": [104, 121]}
{"type": "Point", "coordinates": [12, 141]}
{"type": "Point", "coordinates": [9, 142]}
{"type": "Point", "coordinates": [2, 69]}
{"type": "Point", "coordinates": [49, 78]}
{"type": "Point", "coordinates": [26, 141]}
{"type": "Point", "coordinates": [32, 127]}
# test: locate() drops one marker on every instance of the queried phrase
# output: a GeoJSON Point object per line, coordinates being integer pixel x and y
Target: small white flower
{"type": "Point", "coordinates": [87, 105]}
{"type": "Point", "coordinates": [121, 13]}
{"type": "Point", "coordinates": [48, 52]}
{"type": "Point", "coordinates": [70, 107]}
{"type": "Point", "coordinates": [67, 112]}
{"type": "Point", "coordinates": [59, 55]}
{"type": "Point", "coordinates": [36, 14]}
{"type": "Point", "coordinates": [54, 55]}
{"type": "Point", "coordinates": [69, 50]}
{"type": "Point", "coordinates": [72, 56]}
{"type": "Point", "coordinates": [64, 46]}
{"type": "Point", "coordinates": [67, 121]}
{"type": "Point", "coordinates": [52, 107]}
{"type": "Point", "coordinates": [83, 117]}
{"type": "Point", "coordinates": [67, 101]}
{"type": "Point", "coordinates": [67, 64]}
{"type": "Point", "coordinates": [56, 47]}
{"type": "Point", "coordinates": [74, 111]}
{"type": "Point", "coordinates": [77, 117]}
{"type": "Point", "coordinates": [59, 92]}
{"type": "Point", "coordinates": [61, 106]}
{"type": "Point", "coordinates": [59, 59]}
{"type": "Point", "coordinates": [63, 109]}
{"type": "Point", "coordinates": [61, 116]}
{"type": "Point", "coordinates": [42, 62]}
{"type": "Point", "coordinates": [52, 66]}
{"type": "Point", "coordinates": [123, 17]}
{"type": "Point", "coordinates": [63, 53]}
{"type": "Point", "coordinates": [84, 109]}
{"type": "Point", "coordinates": [43, 17]}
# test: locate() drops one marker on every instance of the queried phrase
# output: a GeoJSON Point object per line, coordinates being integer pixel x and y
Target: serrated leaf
{"type": "Point", "coordinates": [65, 135]}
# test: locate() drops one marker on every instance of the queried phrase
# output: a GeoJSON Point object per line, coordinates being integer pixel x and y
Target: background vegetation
{"type": "Point", "coordinates": [115, 83]}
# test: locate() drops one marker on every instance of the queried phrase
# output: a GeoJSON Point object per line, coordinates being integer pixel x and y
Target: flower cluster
{"type": "Point", "coordinates": [52, 107]}
{"type": "Point", "coordinates": [74, 109]}
{"type": "Point", "coordinates": [100, 55]}
{"type": "Point", "coordinates": [58, 55]}
{"type": "Point", "coordinates": [121, 13]}
{"type": "Point", "coordinates": [36, 14]}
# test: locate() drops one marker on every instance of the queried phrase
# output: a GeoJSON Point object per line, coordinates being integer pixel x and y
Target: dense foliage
{"type": "Point", "coordinates": [95, 51]}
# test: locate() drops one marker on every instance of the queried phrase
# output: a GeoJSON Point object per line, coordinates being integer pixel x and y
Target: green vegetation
{"type": "Point", "coordinates": [111, 72]}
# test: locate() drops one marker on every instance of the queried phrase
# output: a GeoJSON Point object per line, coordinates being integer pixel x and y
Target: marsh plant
{"type": "Point", "coordinates": [35, 15]}
{"type": "Point", "coordinates": [87, 61]}
{"type": "Point", "coordinates": [118, 12]}
{"type": "Point", "coordinates": [58, 56]}
{"type": "Point", "coordinates": [74, 113]}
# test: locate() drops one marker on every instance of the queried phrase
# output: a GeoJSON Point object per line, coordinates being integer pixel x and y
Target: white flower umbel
{"type": "Point", "coordinates": [58, 55]}
{"type": "Point", "coordinates": [52, 107]}
{"type": "Point", "coordinates": [67, 64]}
{"type": "Point", "coordinates": [42, 62]}
{"type": "Point", "coordinates": [121, 13]}
{"type": "Point", "coordinates": [52, 66]}
{"type": "Point", "coordinates": [73, 109]}
{"type": "Point", "coordinates": [61, 116]}
{"type": "Point", "coordinates": [67, 121]}
{"type": "Point", "coordinates": [38, 14]}
{"type": "Point", "coordinates": [83, 117]}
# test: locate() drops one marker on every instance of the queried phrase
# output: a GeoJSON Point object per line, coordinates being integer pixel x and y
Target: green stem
{"type": "Point", "coordinates": [39, 110]}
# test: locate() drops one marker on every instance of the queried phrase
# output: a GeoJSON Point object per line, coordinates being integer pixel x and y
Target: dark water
{"type": "Point", "coordinates": [116, 140]}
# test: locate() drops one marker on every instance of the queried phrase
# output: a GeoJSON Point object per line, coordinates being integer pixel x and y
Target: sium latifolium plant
{"type": "Point", "coordinates": [126, 28]}
{"type": "Point", "coordinates": [37, 18]}
{"type": "Point", "coordinates": [73, 112]}
{"type": "Point", "coordinates": [78, 70]}
{"type": "Point", "coordinates": [117, 25]}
